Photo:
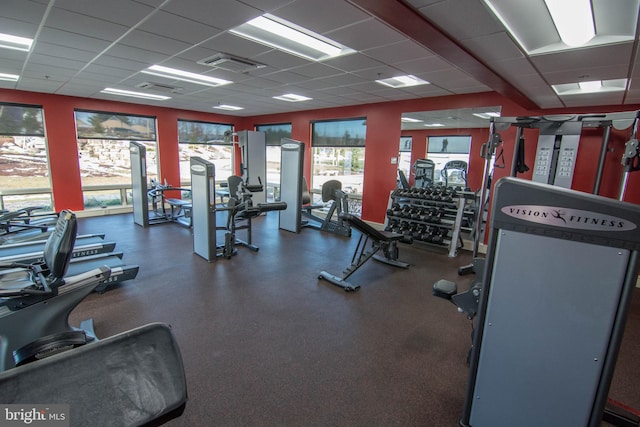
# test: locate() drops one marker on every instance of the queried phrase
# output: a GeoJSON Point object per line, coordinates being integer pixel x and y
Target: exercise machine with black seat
{"type": "Point", "coordinates": [560, 263]}
{"type": "Point", "coordinates": [40, 304]}
{"type": "Point", "coordinates": [133, 378]}
{"type": "Point", "coordinates": [154, 194]}
{"type": "Point", "coordinates": [338, 204]}
{"type": "Point", "coordinates": [424, 173]}
{"type": "Point", "coordinates": [385, 241]}
{"type": "Point", "coordinates": [241, 210]}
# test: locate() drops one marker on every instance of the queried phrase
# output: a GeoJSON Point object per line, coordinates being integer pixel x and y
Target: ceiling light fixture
{"type": "Point", "coordinates": [487, 115]}
{"type": "Point", "coordinates": [434, 125]}
{"type": "Point", "coordinates": [289, 37]}
{"type": "Point", "coordinates": [410, 120]}
{"type": "Point", "coordinates": [112, 91]}
{"type": "Point", "coordinates": [185, 76]}
{"type": "Point", "coordinates": [8, 41]}
{"type": "Point", "coordinates": [573, 20]}
{"type": "Point", "coordinates": [402, 81]}
{"type": "Point", "coordinates": [596, 86]}
{"type": "Point", "coordinates": [292, 97]}
{"type": "Point", "coordinates": [9, 77]}
{"type": "Point", "coordinates": [228, 107]}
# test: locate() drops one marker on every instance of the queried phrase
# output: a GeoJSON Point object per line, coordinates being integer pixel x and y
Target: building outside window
{"type": "Point", "coordinates": [104, 156]}
{"type": "Point", "coordinates": [24, 161]}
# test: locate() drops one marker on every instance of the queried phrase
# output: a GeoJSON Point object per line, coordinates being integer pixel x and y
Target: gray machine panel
{"type": "Point", "coordinates": [138, 157]}
{"type": "Point", "coordinates": [559, 274]}
{"type": "Point", "coordinates": [292, 159]}
{"type": "Point", "coordinates": [546, 330]}
{"type": "Point", "coordinates": [203, 201]}
{"type": "Point", "coordinates": [253, 145]}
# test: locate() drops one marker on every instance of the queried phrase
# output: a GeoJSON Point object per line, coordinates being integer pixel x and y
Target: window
{"type": "Point", "coordinates": [404, 156]}
{"type": "Point", "coordinates": [105, 160]}
{"type": "Point", "coordinates": [274, 134]}
{"type": "Point", "coordinates": [24, 161]}
{"type": "Point", "coordinates": [338, 153]}
{"type": "Point", "coordinates": [209, 141]}
{"type": "Point", "coordinates": [444, 149]}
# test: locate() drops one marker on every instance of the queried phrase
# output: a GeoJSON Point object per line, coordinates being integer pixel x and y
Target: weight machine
{"type": "Point", "coordinates": [555, 155]}
{"type": "Point", "coordinates": [560, 263]}
{"type": "Point", "coordinates": [154, 194]}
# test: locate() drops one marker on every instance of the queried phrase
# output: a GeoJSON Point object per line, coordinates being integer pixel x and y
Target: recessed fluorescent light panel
{"type": "Point", "coordinates": [112, 91]}
{"type": "Point", "coordinates": [292, 97]}
{"type": "Point", "coordinates": [228, 107]}
{"type": "Point", "coordinates": [8, 41]}
{"type": "Point", "coordinates": [289, 37]}
{"type": "Point", "coordinates": [545, 26]}
{"type": "Point", "coordinates": [597, 86]}
{"type": "Point", "coordinates": [185, 76]}
{"type": "Point", "coordinates": [487, 115]}
{"type": "Point", "coordinates": [573, 20]}
{"type": "Point", "coordinates": [410, 120]}
{"type": "Point", "coordinates": [434, 125]}
{"type": "Point", "coordinates": [402, 81]}
{"type": "Point", "coordinates": [9, 77]}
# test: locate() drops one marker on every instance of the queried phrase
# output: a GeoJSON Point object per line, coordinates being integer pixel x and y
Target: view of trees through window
{"type": "Point", "coordinates": [338, 153]}
{"type": "Point", "coordinates": [209, 141]}
{"type": "Point", "coordinates": [24, 161]}
{"type": "Point", "coordinates": [104, 156]}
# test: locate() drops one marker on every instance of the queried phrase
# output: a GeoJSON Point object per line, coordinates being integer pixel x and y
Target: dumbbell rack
{"type": "Point", "coordinates": [435, 215]}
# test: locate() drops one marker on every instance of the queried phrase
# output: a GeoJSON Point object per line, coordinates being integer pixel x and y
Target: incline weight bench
{"type": "Point", "coordinates": [386, 241]}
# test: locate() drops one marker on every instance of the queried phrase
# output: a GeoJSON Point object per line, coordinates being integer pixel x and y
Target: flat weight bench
{"type": "Point", "coordinates": [181, 210]}
{"type": "Point", "coordinates": [386, 241]}
{"type": "Point", "coordinates": [133, 378]}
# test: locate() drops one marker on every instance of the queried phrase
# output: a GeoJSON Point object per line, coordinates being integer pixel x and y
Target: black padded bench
{"type": "Point", "coordinates": [387, 241]}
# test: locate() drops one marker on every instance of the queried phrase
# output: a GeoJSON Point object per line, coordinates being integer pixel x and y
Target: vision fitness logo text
{"type": "Point", "coordinates": [568, 218]}
{"type": "Point", "coordinates": [34, 415]}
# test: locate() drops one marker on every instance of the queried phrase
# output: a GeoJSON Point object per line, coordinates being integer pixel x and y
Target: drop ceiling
{"type": "Point", "coordinates": [83, 46]}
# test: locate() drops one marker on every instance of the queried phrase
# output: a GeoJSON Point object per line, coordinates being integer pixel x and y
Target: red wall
{"type": "Point", "coordinates": [382, 141]}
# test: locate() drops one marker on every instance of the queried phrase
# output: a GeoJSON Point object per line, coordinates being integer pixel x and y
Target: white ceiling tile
{"type": "Point", "coordinates": [316, 70]}
{"type": "Point", "coordinates": [142, 55]}
{"type": "Point", "coordinates": [222, 15]}
{"type": "Point", "coordinates": [366, 34]}
{"type": "Point", "coordinates": [37, 85]}
{"type": "Point", "coordinates": [21, 17]}
{"type": "Point", "coordinates": [238, 46]}
{"type": "Point", "coordinates": [72, 40]}
{"type": "Point", "coordinates": [108, 10]}
{"type": "Point", "coordinates": [432, 63]}
{"type": "Point", "coordinates": [494, 47]}
{"type": "Point", "coordinates": [178, 28]}
{"type": "Point", "coordinates": [86, 26]}
{"type": "Point", "coordinates": [48, 49]}
{"type": "Point", "coordinates": [321, 16]}
{"type": "Point", "coordinates": [280, 60]}
{"type": "Point", "coordinates": [447, 15]}
{"type": "Point", "coordinates": [353, 62]}
{"type": "Point", "coordinates": [584, 58]}
{"type": "Point", "coordinates": [153, 42]}
{"type": "Point", "coordinates": [403, 51]}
